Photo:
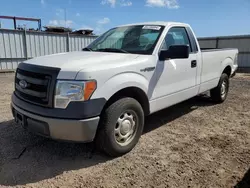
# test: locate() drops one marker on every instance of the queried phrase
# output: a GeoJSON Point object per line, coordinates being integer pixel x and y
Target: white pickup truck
{"type": "Point", "coordinates": [104, 92]}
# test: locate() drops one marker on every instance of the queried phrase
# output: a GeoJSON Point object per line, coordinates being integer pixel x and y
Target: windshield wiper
{"type": "Point", "coordinates": [87, 49]}
{"type": "Point", "coordinates": [112, 50]}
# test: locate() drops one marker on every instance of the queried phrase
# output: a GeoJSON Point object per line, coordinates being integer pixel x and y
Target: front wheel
{"type": "Point", "coordinates": [121, 127]}
{"type": "Point", "coordinates": [219, 94]}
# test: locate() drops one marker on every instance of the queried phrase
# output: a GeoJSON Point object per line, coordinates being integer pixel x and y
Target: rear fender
{"type": "Point", "coordinates": [227, 62]}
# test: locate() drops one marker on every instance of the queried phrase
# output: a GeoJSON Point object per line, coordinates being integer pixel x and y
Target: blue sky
{"type": "Point", "coordinates": [207, 17]}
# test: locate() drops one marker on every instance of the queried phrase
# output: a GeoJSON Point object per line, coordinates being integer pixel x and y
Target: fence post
{"type": "Point", "coordinates": [67, 42]}
{"type": "Point", "coordinates": [25, 45]}
{"type": "Point", "coordinates": [217, 42]}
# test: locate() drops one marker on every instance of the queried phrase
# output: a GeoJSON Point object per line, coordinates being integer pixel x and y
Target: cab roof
{"type": "Point", "coordinates": [162, 23]}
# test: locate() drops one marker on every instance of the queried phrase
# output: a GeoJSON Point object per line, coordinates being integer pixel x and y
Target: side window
{"type": "Point", "coordinates": [176, 36]}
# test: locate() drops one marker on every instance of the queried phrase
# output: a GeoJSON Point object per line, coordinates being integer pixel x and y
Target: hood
{"type": "Point", "coordinates": [76, 61]}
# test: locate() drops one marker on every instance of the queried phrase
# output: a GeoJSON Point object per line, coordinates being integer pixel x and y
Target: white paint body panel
{"type": "Point", "coordinates": [171, 82]}
{"type": "Point", "coordinates": [213, 64]}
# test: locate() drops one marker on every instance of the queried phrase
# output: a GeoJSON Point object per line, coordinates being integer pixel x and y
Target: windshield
{"type": "Point", "coordinates": [138, 39]}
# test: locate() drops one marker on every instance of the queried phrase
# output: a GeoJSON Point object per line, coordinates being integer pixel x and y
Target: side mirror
{"type": "Point", "coordinates": [175, 52]}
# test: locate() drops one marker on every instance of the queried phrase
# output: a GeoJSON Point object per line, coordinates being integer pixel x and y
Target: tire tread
{"type": "Point", "coordinates": [216, 92]}
{"type": "Point", "coordinates": [107, 118]}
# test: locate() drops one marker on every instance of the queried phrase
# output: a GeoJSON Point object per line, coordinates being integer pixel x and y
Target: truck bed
{"type": "Point", "coordinates": [212, 63]}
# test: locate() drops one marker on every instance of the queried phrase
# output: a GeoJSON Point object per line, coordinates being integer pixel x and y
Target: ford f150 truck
{"type": "Point", "coordinates": [104, 92]}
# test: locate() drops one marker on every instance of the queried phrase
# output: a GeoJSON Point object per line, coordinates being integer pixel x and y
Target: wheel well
{"type": "Point", "coordinates": [227, 70]}
{"type": "Point", "coordinates": [132, 92]}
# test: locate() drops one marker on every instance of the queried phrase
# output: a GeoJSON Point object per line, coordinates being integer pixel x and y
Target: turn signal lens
{"type": "Point", "coordinates": [89, 89]}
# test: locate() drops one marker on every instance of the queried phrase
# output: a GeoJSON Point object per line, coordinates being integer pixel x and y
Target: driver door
{"type": "Point", "coordinates": [178, 76]}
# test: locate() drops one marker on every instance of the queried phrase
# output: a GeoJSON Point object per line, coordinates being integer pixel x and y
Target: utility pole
{"type": "Point", "coordinates": [65, 17]}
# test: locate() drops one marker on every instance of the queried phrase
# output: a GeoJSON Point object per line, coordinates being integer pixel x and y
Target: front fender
{"type": "Point", "coordinates": [119, 82]}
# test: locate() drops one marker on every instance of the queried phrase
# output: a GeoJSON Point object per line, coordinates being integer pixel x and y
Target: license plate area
{"type": "Point", "coordinates": [20, 119]}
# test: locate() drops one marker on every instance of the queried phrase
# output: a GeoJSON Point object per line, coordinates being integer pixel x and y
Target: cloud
{"type": "Point", "coordinates": [53, 22]}
{"type": "Point", "coordinates": [68, 23]}
{"type": "Point", "coordinates": [125, 3]}
{"type": "Point", "coordinates": [59, 11]}
{"type": "Point", "coordinates": [100, 25]}
{"type": "Point", "coordinates": [63, 23]}
{"type": "Point", "coordinates": [171, 4]}
{"type": "Point", "coordinates": [78, 14]}
{"type": "Point", "coordinates": [42, 2]}
{"type": "Point", "coordinates": [103, 21]}
{"type": "Point", "coordinates": [60, 21]}
{"type": "Point", "coordinates": [112, 3]}
{"type": "Point", "coordinates": [86, 27]}
{"type": "Point", "coordinates": [109, 2]}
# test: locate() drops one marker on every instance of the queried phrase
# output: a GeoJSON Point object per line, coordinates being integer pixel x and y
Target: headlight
{"type": "Point", "coordinates": [67, 91]}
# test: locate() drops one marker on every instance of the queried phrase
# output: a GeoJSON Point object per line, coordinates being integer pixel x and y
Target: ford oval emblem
{"type": "Point", "coordinates": [23, 84]}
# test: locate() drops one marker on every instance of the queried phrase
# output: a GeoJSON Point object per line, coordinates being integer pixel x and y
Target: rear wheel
{"type": "Point", "coordinates": [121, 127]}
{"type": "Point", "coordinates": [219, 94]}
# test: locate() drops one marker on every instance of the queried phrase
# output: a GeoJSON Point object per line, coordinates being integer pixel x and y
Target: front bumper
{"type": "Point", "coordinates": [82, 130]}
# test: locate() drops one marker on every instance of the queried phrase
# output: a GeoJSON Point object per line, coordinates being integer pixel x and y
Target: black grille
{"type": "Point", "coordinates": [37, 89]}
{"type": "Point", "coordinates": [36, 84]}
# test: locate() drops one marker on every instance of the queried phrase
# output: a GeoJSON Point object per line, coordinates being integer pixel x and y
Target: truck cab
{"type": "Point", "coordinates": [104, 92]}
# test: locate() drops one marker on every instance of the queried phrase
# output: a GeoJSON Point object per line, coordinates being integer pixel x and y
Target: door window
{"type": "Point", "coordinates": [176, 36]}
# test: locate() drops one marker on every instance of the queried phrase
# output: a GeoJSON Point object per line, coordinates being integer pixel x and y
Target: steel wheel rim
{"type": "Point", "coordinates": [223, 89]}
{"type": "Point", "coordinates": [125, 128]}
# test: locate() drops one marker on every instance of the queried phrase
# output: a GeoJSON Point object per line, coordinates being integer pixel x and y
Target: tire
{"type": "Point", "coordinates": [219, 94]}
{"type": "Point", "coordinates": [117, 122]}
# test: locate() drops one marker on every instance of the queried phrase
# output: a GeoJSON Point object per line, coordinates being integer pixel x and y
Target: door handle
{"type": "Point", "coordinates": [193, 63]}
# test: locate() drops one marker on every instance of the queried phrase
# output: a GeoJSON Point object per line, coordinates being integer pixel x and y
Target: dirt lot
{"type": "Point", "coordinates": [193, 144]}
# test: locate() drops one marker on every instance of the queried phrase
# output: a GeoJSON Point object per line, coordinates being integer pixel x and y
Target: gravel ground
{"type": "Point", "coordinates": [192, 144]}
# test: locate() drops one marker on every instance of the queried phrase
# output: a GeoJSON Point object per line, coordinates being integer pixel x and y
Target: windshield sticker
{"type": "Point", "coordinates": [152, 27]}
